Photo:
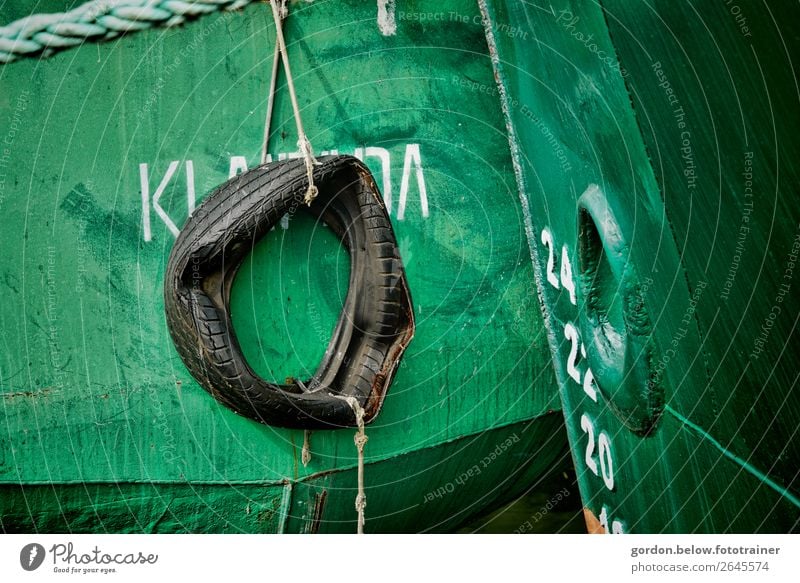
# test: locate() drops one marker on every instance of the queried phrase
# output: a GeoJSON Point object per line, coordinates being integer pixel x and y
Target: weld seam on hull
{"type": "Point", "coordinates": [744, 464]}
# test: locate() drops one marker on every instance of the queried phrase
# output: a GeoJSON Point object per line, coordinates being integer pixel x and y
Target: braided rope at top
{"type": "Point", "coordinates": [44, 34]}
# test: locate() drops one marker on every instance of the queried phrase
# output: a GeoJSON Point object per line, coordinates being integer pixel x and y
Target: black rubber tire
{"type": "Point", "coordinates": [377, 319]}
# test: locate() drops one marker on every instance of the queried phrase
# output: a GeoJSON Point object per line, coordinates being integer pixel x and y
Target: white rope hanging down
{"type": "Point", "coordinates": [305, 456]}
{"type": "Point", "coordinates": [360, 440]}
{"type": "Point", "coordinates": [98, 20]}
{"type": "Point", "coordinates": [302, 141]}
{"type": "Point", "coordinates": [272, 84]}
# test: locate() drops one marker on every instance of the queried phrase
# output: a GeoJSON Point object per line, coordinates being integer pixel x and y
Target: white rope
{"type": "Point", "coordinates": [302, 141]}
{"type": "Point", "coordinates": [360, 440]}
{"type": "Point", "coordinates": [272, 84]}
{"type": "Point", "coordinates": [98, 20]}
{"type": "Point", "coordinates": [305, 456]}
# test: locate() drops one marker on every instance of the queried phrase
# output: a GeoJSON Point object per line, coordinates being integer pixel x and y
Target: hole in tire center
{"type": "Point", "coordinates": [287, 297]}
{"type": "Point", "coordinates": [603, 298]}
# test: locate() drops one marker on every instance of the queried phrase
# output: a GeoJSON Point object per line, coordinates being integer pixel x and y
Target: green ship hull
{"type": "Point", "coordinates": [595, 207]}
{"type": "Point", "coordinates": [657, 151]}
{"type": "Point", "coordinates": [111, 145]}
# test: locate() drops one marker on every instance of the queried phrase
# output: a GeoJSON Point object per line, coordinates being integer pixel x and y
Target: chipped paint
{"type": "Point", "coordinates": [386, 17]}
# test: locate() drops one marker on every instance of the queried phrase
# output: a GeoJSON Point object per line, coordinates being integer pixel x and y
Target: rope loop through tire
{"type": "Point", "coordinates": [377, 319]}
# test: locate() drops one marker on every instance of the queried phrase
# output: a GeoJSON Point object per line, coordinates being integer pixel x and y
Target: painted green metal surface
{"type": "Point", "coordinates": [427, 490]}
{"type": "Point", "coordinates": [657, 153]}
{"type": "Point", "coordinates": [97, 408]}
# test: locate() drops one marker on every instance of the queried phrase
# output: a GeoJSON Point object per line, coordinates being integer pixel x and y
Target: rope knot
{"type": "Point", "coordinates": [308, 157]}
{"type": "Point", "coordinates": [311, 194]}
{"type": "Point", "coordinates": [283, 10]}
{"type": "Point", "coordinates": [360, 440]}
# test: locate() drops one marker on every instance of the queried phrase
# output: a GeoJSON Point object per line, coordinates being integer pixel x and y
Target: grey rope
{"type": "Point", "coordinates": [302, 141]}
{"type": "Point", "coordinates": [98, 20]}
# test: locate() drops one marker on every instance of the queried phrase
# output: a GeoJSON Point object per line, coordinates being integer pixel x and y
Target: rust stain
{"type": "Point", "coordinates": [37, 393]}
{"type": "Point", "coordinates": [319, 508]}
{"type": "Point", "coordinates": [593, 525]}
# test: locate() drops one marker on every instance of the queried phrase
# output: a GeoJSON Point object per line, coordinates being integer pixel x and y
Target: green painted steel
{"type": "Point", "coordinates": [657, 150]}
{"type": "Point", "coordinates": [427, 490]}
{"type": "Point", "coordinates": [101, 425]}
